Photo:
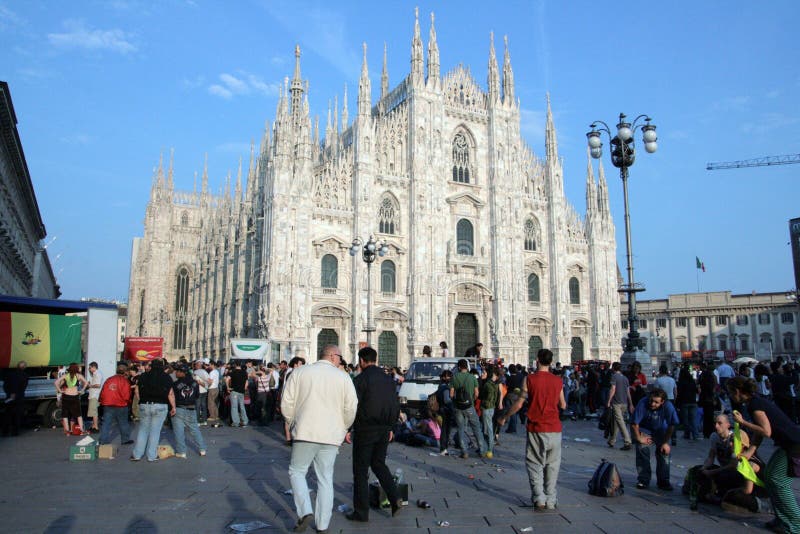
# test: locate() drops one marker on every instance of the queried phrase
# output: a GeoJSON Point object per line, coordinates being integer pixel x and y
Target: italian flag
{"type": "Point", "coordinates": [39, 339]}
{"type": "Point", "coordinates": [700, 264]}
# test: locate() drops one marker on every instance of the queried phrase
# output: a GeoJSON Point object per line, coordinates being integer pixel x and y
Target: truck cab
{"type": "Point", "coordinates": [422, 379]}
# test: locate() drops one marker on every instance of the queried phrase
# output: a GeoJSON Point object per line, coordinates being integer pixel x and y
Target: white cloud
{"type": "Point", "coordinates": [322, 31]}
{"type": "Point", "coordinates": [532, 123]}
{"type": "Point", "coordinates": [775, 93]}
{"type": "Point", "coordinates": [80, 36]}
{"type": "Point", "coordinates": [769, 123]}
{"type": "Point", "coordinates": [243, 83]}
{"type": "Point", "coordinates": [9, 19]}
{"type": "Point", "coordinates": [233, 147]}
{"type": "Point", "coordinates": [76, 139]}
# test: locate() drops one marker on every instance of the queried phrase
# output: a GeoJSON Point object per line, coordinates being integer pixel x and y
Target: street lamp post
{"type": "Point", "coordinates": [368, 252]}
{"type": "Point", "coordinates": [623, 155]}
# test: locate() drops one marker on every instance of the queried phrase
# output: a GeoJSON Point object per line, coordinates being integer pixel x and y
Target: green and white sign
{"type": "Point", "coordinates": [251, 349]}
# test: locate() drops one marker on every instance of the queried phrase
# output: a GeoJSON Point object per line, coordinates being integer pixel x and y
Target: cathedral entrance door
{"type": "Point", "coordinates": [326, 336]}
{"type": "Point", "coordinates": [466, 333]}
{"type": "Point", "coordinates": [577, 349]}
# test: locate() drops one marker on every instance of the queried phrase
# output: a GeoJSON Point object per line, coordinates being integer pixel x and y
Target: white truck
{"type": "Point", "coordinates": [422, 379]}
{"type": "Point", "coordinates": [97, 343]}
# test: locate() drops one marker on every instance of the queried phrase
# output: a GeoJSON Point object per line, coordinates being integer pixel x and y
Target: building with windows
{"type": "Point", "coordinates": [25, 269]}
{"type": "Point", "coordinates": [483, 245]}
{"type": "Point", "coordinates": [760, 325]}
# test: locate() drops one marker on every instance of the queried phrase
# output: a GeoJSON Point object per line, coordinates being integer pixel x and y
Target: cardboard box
{"type": "Point", "coordinates": [378, 496]}
{"type": "Point", "coordinates": [82, 453]}
{"type": "Point", "coordinates": [106, 452]}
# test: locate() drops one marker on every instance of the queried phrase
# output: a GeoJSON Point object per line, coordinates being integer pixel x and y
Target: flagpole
{"type": "Point", "coordinates": [698, 279]}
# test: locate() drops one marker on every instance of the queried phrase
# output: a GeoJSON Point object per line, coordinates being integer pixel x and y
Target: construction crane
{"type": "Point", "coordinates": [756, 162]}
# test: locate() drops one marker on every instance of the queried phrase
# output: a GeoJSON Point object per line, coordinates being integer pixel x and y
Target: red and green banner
{"type": "Point", "coordinates": [143, 349]}
{"type": "Point", "coordinates": [39, 339]}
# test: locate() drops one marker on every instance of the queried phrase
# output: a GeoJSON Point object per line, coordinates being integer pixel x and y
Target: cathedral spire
{"type": "Point", "coordinates": [602, 190]}
{"type": "Point", "coordinates": [364, 88]}
{"type": "Point", "coordinates": [336, 113]}
{"type": "Point", "coordinates": [384, 74]}
{"type": "Point", "coordinates": [250, 170]}
{"type": "Point", "coordinates": [237, 194]}
{"type": "Point", "coordinates": [329, 127]}
{"type": "Point", "coordinates": [345, 115]}
{"type": "Point", "coordinates": [508, 76]}
{"type": "Point", "coordinates": [204, 185]}
{"type": "Point", "coordinates": [297, 84]}
{"type": "Point", "coordinates": [416, 51]}
{"type": "Point", "coordinates": [170, 183]}
{"type": "Point", "coordinates": [159, 177]}
{"type": "Point", "coordinates": [433, 55]}
{"type": "Point", "coordinates": [493, 79]}
{"type": "Point", "coordinates": [550, 142]}
{"type": "Point", "coordinates": [591, 193]}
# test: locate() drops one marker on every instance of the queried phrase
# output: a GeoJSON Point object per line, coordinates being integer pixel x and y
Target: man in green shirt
{"type": "Point", "coordinates": [464, 391]}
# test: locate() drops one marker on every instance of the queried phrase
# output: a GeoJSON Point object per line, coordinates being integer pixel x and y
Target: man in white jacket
{"type": "Point", "coordinates": [319, 404]}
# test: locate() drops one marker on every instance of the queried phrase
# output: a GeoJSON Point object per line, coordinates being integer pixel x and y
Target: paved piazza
{"type": "Point", "coordinates": [244, 478]}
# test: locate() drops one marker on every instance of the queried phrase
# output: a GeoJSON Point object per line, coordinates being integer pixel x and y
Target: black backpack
{"type": "Point", "coordinates": [606, 481]}
{"type": "Point", "coordinates": [462, 400]}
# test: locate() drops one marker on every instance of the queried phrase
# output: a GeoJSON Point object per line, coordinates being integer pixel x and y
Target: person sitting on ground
{"type": "Point", "coordinates": [721, 464]}
{"type": "Point", "coordinates": [426, 432]}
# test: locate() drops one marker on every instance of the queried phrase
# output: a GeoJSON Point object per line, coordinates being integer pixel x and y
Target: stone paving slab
{"type": "Point", "coordinates": [244, 478]}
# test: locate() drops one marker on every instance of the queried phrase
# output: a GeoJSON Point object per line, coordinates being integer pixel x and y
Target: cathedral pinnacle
{"type": "Point", "coordinates": [591, 195]}
{"type": "Point", "coordinates": [204, 186]}
{"type": "Point", "coordinates": [345, 114]}
{"type": "Point", "coordinates": [297, 85]}
{"type": "Point", "coordinates": [170, 183]}
{"type": "Point", "coordinates": [602, 190]}
{"type": "Point", "coordinates": [551, 144]}
{"type": "Point", "coordinates": [433, 55]}
{"type": "Point", "coordinates": [493, 78]}
{"type": "Point", "coordinates": [416, 51]}
{"type": "Point", "coordinates": [364, 88]}
{"type": "Point", "coordinates": [237, 194]}
{"type": "Point", "coordinates": [508, 76]}
{"type": "Point", "coordinates": [384, 74]}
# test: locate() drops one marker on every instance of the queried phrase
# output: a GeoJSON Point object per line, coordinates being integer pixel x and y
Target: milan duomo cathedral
{"type": "Point", "coordinates": [482, 244]}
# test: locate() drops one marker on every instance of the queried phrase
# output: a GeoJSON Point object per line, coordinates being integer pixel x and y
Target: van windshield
{"type": "Point", "coordinates": [428, 370]}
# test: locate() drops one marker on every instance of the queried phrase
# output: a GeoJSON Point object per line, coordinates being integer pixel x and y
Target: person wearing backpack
{"type": "Point", "coordinates": [446, 411]}
{"type": "Point", "coordinates": [545, 393]}
{"type": "Point", "coordinates": [464, 391]}
{"type": "Point", "coordinates": [186, 392]}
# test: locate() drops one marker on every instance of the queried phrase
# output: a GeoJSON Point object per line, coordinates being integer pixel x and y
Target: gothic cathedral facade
{"type": "Point", "coordinates": [483, 245]}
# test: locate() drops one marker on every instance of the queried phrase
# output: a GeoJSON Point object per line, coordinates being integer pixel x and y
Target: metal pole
{"type": "Point", "coordinates": [369, 327]}
{"type": "Point", "coordinates": [633, 334]}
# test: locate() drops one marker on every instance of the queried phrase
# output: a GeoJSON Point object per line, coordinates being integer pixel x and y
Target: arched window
{"type": "Point", "coordinates": [387, 349]}
{"type": "Point", "coordinates": [534, 346]}
{"type": "Point", "coordinates": [533, 288]}
{"type": "Point", "coordinates": [181, 307]}
{"type": "Point", "coordinates": [387, 217]}
{"type": "Point", "coordinates": [388, 276]}
{"type": "Point", "coordinates": [326, 336]}
{"type": "Point", "coordinates": [465, 243]}
{"type": "Point", "coordinates": [330, 271]}
{"type": "Point", "coordinates": [530, 235]}
{"type": "Point", "coordinates": [577, 349]}
{"type": "Point", "coordinates": [184, 219]}
{"type": "Point", "coordinates": [460, 159]}
{"type": "Point", "coordinates": [574, 291]}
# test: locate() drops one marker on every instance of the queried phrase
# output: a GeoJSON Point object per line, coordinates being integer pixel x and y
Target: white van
{"type": "Point", "coordinates": [422, 379]}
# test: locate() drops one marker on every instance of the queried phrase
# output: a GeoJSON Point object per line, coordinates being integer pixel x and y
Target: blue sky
{"type": "Point", "coordinates": [100, 88]}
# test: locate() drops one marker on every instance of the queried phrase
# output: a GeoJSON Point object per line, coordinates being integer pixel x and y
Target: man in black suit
{"type": "Point", "coordinates": [378, 410]}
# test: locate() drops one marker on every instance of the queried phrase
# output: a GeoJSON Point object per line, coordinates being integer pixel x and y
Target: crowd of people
{"type": "Point", "coordinates": [323, 405]}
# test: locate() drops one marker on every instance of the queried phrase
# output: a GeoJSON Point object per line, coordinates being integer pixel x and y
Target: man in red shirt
{"type": "Point", "coordinates": [545, 394]}
{"type": "Point", "coordinates": [115, 398]}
